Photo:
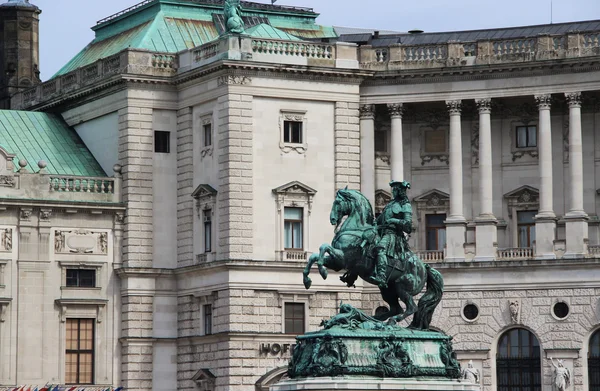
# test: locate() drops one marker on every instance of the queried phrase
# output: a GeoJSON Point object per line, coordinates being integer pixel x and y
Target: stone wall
{"type": "Point", "coordinates": [347, 145]}
{"type": "Point", "coordinates": [185, 172]}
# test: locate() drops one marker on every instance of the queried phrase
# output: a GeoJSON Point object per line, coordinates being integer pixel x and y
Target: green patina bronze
{"type": "Point", "coordinates": [233, 17]}
{"type": "Point", "coordinates": [354, 343]}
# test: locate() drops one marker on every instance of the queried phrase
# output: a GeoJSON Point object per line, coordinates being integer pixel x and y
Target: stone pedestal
{"type": "Point", "coordinates": [372, 383]}
{"type": "Point", "coordinates": [545, 229]}
{"type": "Point", "coordinates": [576, 228]}
{"type": "Point", "coordinates": [455, 239]}
{"type": "Point", "coordinates": [486, 238]}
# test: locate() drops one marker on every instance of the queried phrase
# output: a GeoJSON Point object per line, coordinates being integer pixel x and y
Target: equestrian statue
{"type": "Point", "coordinates": [377, 251]}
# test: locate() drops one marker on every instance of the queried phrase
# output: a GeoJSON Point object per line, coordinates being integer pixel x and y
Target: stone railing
{"type": "Point", "coordinates": [515, 253]}
{"type": "Point", "coordinates": [292, 48]}
{"type": "Point", "coordinates": [431, 256]}
{"type": "Point", "coordinates": [75, 184]}
{"type": "Point", "coordinates": [129, 61]}
{"type": "Point", "coordinates": [453, 53]}
{"type": "Point", "coordinates": [293, 255]}
{"type": "Point", "coordinates": [594, 250]}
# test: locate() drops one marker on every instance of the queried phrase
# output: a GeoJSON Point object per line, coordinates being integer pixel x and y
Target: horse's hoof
{"type": "Point", "coordinates": [323, 272]}
{"type": "Point", "coordinates": [307, 282]}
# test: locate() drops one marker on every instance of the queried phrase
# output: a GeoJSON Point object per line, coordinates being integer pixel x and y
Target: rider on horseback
{"type": "Point", "coordinates": [393, 223]}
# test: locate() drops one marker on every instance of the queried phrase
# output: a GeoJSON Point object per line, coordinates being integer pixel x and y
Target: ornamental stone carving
{"type": "Point", "coordinates": [294, 194]}
{"type": "Point", "coordinates": [367, 111]}
{"type": "Point", "coordinates": [396, 109]}
{"type": "Point", "coordinates": [206, 198]}
{"type": "Point", "coordinates": [45, 215]}
{"type": "Point", "coordinates": [25, 214]}
{"type": "Point", "coordinates": [382, 198]}
{"type": "Point", "coordinates": [7, 180]}
{"type": "Point", "coordinates": [514, 309]}
{"type": "Point", "coordinates": [233, 80]}
{"type": "Point", "coordinates": [543, 101]}
{"type": "Point", "coordinates": [80, 242]}
{"type": "Point", "coordinates": [484, 105]}
{"type": "Point", "coordinates": [475, 144]}
{"type": "Point", "coordinates": [573, 99]}
{"type": "Point", "coordinates": [454, 107]}
{"type": "Point", "coordinates": [6, 239]}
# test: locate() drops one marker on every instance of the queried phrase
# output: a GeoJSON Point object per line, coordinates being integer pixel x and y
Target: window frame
{"type": "Point", "coordinates": [80, 351]}
{"type": "Point", "coordinates": [526, 127]}
{"type": "Point", "coordinates": [293, 116]}
{"type": "Point", "coordinates": [593, 361]}
{"type": "Point", "coordinates": [207, 134]}
{"type": "Point", "coordinates": [207, 230]}
{"type": "Point", "coordinates": [520, 363]}
{"type": "Point", "coordinates": [292, 222]}
{"type": "Point", "coordinates": [162, 133]}
{"type": "Point", "coordinates": [207, 318]}
{"type": "Point", "coordinates": [436, 229]}
{"type": "Point", "coordinates": [79, 270]}
{"type": "Point", "coordinates": [294, 319]}
{"type": "Point", "coordinates": [529, 227]}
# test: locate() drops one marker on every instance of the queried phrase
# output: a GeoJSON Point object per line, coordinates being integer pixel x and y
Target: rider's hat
{"type": "Point", "coordinates": [403, 184]}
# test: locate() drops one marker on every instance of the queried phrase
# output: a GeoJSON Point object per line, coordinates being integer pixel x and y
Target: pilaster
{"type": "Point", "coordinates": [136, 150]}
{"type": "Point", "coordinates": [347, 146]}
{"type": "Point", "coordinates": [185, 175]}
{"type": "Point", "coordinates": [367, 152]}
{"type": "Point", "coordinates": [235, 197]}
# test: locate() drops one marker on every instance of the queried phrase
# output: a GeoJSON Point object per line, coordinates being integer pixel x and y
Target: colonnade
{"type": "Point", "coordinates": [486, 222]}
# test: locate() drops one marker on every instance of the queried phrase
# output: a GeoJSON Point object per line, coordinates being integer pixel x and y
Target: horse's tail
{"type": "Point", "coordinates": [430, 300]}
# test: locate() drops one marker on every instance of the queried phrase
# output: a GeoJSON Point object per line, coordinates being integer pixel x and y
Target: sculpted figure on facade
{"type": "Point", "coordinates": [513, 308]}
{"type": "Point", "coordinates": [561, 376]}
{"type": "Point", "coordinates": [233, 17]}
{"type": "Point", "coordinates": [378, 252]}
{"type": "Point", "coordinates": [470, 373]}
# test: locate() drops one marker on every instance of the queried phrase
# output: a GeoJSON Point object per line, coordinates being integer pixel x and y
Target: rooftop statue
{"type": "Point", "coordinates": [378, 252]}
{"type": "Point", "coordinates": [233, 17]}
{"type": "Point", "coordinates": [353, 343]}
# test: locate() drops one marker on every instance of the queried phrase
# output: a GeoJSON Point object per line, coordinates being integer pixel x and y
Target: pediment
{"type": "Point", "coordinates": [204, 190]}
{"type": "Point", "coordinates": [203, 374]}
{"type": "Point", "coordinates": [433, 198]}
{"type": "Point", "coordinates": [524, 194]}
{"type": "Point", "coordinates": [295, 187]}
{"type": "Point", "coordinates": [382, 197]}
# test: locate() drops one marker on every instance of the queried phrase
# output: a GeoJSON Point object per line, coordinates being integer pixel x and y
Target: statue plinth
{"type": "Point", "coordinates": [373, 348]}
{"type": "Point", "coordinates": [355, 383]}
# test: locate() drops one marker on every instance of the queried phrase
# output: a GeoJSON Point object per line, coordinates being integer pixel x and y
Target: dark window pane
{"type": "Point", "coordinates": [292, 132]}
{"type": "Point", "coordinates": [527, 217]}
{"type": "Point", "coordinates": [162, 142]}
{"type": "Point", "coordinates": [81, 278]}
{"type": "Point", "coordinates": [380, 142]}
{"type": "Point", "coordinates": [518, 361]}
{"type": "Point", "coordinates": [207, 135]}
{"type": "Point", "coordinates": [521, 136]}
{"type": "Point", "coordinates": [72, 277]}
{"type": "Point", "coordinates": [532, 136]}
{"type": "Point", "coordinates": [207, 319]}
{"type": "Point", "coordinates": [294, 318]}
{"type": "Point", "coordinates": [594, 362]}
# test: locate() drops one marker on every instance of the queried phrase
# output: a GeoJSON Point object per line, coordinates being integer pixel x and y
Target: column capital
{"type": "Point", "coordinates": [395, 109]}
{"type": "Point", "coordinates": [543, 101]}
{"type": "Point", "coordinates": [454, 106]}
{"type": "Point", "coordinates": [367, 111]}
{"type": "Point", "coordinates": [484, 105]}
{"type": "Point", "coordinates": [573, 99]}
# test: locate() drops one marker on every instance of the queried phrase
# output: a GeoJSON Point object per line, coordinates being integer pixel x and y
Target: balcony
{"type": "Point", "coordinates": [300, 256]}
{"type": "Point", "coordinates": [515, 253]}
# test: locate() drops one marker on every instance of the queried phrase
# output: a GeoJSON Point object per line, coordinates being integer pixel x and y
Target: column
{"type": "Point", "coordinates": [486, 236]}
{"type": "Point", "coordinates": [367, 152]}
{"type": "Point", "coordinates": [576, 218]}
{"type": "Point", "coordinates": [397, 152]}
{"type": "Point", "coordinates": [455, 224]}
{"type": "Point", "coordinates": [545, 220]}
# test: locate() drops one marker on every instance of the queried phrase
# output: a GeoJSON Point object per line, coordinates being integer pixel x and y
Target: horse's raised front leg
{"type": "Point", "coordinates": [311, 261]}
{"type": "Point", "coordinates": [334, 260]}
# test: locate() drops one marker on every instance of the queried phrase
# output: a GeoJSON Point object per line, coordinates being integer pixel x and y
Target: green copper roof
{"type": "Point", "coordinates": [175, 25]}
{"type": "Point", "coordinates": [36, 136]}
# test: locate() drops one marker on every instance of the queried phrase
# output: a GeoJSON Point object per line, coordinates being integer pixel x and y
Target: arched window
{"type": "Point", "coordinates": [594, 362]}
{"type": "Point", "coordinates": [518, 361]}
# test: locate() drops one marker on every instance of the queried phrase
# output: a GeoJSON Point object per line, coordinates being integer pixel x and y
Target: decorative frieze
{"type": "Point", "coordinates": [7, 180]}
{"type": "Point", "coordinates": [80, 242]}
{"type": "Point", "coordinates": [234, 80]}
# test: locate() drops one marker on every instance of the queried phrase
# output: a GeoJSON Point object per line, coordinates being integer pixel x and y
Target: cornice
{"type": "Point", "coordinates": [483, 72]}
{"type": "Point", "coordinates": [60, 204]}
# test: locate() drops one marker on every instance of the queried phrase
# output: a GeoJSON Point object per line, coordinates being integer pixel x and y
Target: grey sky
{"type": "Point", "coordinates": [65, 24]}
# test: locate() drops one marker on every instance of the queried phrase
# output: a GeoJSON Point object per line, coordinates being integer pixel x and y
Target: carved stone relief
{"type": "Point", "coordinates": [206, 198]}
{"type": "Point", "coordinates": [475, 144]}
{"type": "Point", "coordinates": [382, 198]}
{"type": "Point", "coordinates": [294, 194]}
{"type": "Point", "coordinates": [287, 147]}
{"type": "Point", "coordinates": [565, 133]}
{"type": "Point", "coordinates": [233, 80]}
{"type": "Point", "coordinates": [514, 310]}
{"type": "Point", "coordinates": [80, 242]}
{"type": "Point", "coordinates": [207, 150]}
{"type": "Point", "coordinates": [6, 239]}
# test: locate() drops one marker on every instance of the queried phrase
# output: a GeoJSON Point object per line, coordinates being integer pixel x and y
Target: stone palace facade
{"type": "Point", "coordinates": [229, 151]}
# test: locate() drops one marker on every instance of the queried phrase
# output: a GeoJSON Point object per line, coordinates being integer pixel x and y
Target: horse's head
{"type": "Point", "coordinates": [341, 207]}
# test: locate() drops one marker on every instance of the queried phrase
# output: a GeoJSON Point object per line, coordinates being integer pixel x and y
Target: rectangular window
{"type": "Point", "coordinates": [526, 136]}
{"type": "Point", "coordinates": [162, 142]}
{"type": "Point", "coordinates": [207, 231]}
{"type": "Point", "coordinates": [293, 219]}
{"type": "Point", "coordinates": [526, 228]}
{"type": "Point", "coordinates": [207, 130]}
{"type": "Point", "coordinates": [294, 318]}
{"type": "Point", "coordinates": [81, 278]}
{"type": "Point", "coordinates": [435, 232]}
{"type": "Point", "coordinates": [79, 363]}
{"type": "Point", "coordinates": [207, 315]}
{"type": "Point", "coordinates": [381, 142]}
{"type": "Point", "coordinates": [292, 132]}
{"type": "Point", "coordinates": [435, 141]}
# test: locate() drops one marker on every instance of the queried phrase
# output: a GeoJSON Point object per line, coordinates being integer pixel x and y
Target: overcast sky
{"type": "Point", "coordinates": [65, 24]}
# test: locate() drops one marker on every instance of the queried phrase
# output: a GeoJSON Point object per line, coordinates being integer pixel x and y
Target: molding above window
{"type": "Point", "coordinates": [294, 297]}
{"type": "Point", "coordinates": [81, 264]}
{"type": "Point", "coordinates": [522, 198]}
{"type": "Point", "coordinates": [204, 379]}
{"type": "Point", "coordinates": [294, 194]}
{"type": "Point", "coordinates": [206, 198]}
{"type": "Point", "coordinates": [433, 201]}
{"type": "Point", "coordinates": [79, 308]}
{"type": "Point", "coordinates": [296, 116]}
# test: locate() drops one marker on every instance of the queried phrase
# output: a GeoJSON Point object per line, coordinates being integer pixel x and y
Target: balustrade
{"type": "Point", "coordinates": [591, 40]}
{"type": "Point", "coordinates": [293, 255]}
{"type": "Point", "coordinates": [205, 51]}
{"type": "Point", "coordinates": [75, 184]}
{"type": "Point", "coordinates": [425, 53]}
{"type": "Point", "coordinates": [163, 60]}
{"type": "Point", "coordinates": [381, 55]}
{"type": "Point", "coordinates": [594, 250]}
{"type": "Point", "coordinates": [430, 256]}
{"type": "Point", "coordinates": [514, 46]}
{"type": "Point", "coordinates": [292, 48]}
{"type": "Point", "coordinates": [515, 253]}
